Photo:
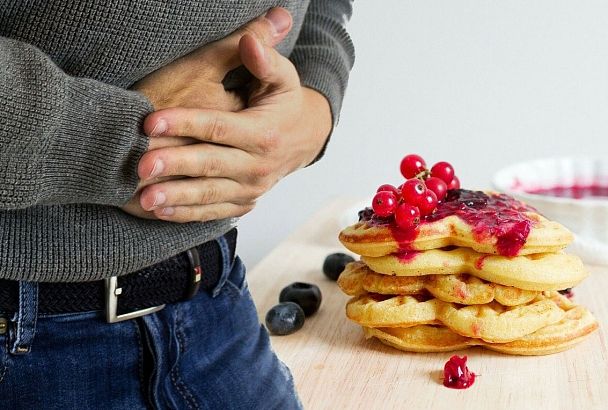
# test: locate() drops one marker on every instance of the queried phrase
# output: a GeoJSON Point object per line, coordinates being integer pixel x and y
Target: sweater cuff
{"type": "Point", "coordinates": [93, 158]}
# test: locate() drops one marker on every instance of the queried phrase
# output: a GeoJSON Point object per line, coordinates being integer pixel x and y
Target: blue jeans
{"type": "Point", "coordinates": [206, 353]}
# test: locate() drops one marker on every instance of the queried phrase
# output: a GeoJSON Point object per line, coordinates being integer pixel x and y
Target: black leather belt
{"type": "Point", "coordinates": [135, 294]}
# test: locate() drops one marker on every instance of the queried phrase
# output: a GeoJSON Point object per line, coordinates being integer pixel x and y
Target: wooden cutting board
{"type": "Point", "coordinates": [334, 367]}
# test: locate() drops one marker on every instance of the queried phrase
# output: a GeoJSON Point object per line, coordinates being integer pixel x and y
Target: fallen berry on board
{"type": "Point", "coordinates": [456, 374]}
{"type": "Point", "coordinates": [305, 295]}
{"type": "Point", "coordinates": [285, 318]}
{"type": "Point", "coordinates": [335, 263]}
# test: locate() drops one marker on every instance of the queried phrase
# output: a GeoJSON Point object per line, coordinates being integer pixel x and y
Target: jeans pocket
{"type": "Point", "coordinates": [237, 281]}
{"type": "Point", "coordinates": [4, 324]}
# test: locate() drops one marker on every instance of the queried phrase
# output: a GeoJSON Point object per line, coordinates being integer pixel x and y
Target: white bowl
{"type": "Point", "coordinates": [586, 217]}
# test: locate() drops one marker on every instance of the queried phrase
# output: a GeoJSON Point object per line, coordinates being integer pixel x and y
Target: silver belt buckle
{"type": "Point", "coordinates": [112, 293]}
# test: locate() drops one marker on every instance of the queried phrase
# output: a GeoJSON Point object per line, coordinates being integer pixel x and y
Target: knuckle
{"type": "Point", "coordinates": [181, 197]}
{"type": "Point", "coordinates": [211, 166]}
{"type": "Point", "coordinates": [259, 28]}
{"type": "Point", "coordinates": [209, 195]}
{"type": "Point", "coordinates": [260, 172]}
{"type": "Point", "coordinates": [269, 141]}
{"type": "Point", "coordinates": [187, 127]}
{"type": "Point", "coordinates": [216, 128]}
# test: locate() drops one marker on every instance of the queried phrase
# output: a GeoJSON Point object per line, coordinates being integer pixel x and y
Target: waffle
{"type": "Point", "coordinates": [482, 270]}
{"type": "Point", "coordinates": [546, 271]}
{"type": "Point", "coordinates": [491, 322]}
{"type": "Point", "coordinates": [358, 279]}
{"type": "Point", "coordinates": [365, 238]}
{"type": "Point", "coordinates": [574, 327]}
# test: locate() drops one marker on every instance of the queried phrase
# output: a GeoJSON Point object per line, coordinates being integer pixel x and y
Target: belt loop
{"type": "Point", "coordinates": [22, 334]}
{"type": "Point", "coordinates": [226, 264]}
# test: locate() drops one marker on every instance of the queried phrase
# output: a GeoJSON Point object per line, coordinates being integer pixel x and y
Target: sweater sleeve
{"type": "Point", "coordinates": [324, 53]}
{"type": "Point", "coordinates": [65, 139]}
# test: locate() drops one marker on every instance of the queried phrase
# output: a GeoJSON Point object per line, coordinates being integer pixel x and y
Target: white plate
{"type": "Point", "coordinates": [586, 217]}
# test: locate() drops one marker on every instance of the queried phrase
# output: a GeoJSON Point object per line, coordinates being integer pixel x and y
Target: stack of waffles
{"type": "Point", "coordinates": [485, 270]}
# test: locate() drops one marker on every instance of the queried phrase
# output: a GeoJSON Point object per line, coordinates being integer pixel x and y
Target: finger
{"type": "Point", "coordinates": [195, 191]}
{"type": "Point", "coordinates": [199, 160]}
{"type": "Point", "coordinates": [270, 29]}
{"type": "Point", "coordinates": [202, 213]}
{"type": "Point", "coordinates": [267, 64]}
{"type": "Point", "coordinates": [244, 130]}
{"type": "Point", "coordinates": [134, 208]}
{"type": "Point", "coordinates": [157, 143]}
{"type": "Point", "coordinates": [216, 97]}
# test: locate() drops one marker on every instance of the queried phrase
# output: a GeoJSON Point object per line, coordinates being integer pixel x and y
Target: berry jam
{"type": "Point", "coordinates": [456, 374]}
{"type": "Point", "coordinates": [495, 215]}
{"type": "Point", "coordinates": [574, 191]}
{"type": "Point", "coordinates": [406, 256]}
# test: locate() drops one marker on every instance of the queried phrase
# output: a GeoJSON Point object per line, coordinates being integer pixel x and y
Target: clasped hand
{"type": "Point", "coordinates": [212, 153]}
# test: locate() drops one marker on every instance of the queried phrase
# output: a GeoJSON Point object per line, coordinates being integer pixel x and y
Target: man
{"type": "Point", "coordinates": [132, 134]}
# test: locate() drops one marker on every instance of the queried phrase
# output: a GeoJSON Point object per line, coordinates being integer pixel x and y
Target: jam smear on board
{"type": "Point", "coordinates": [456, 374]}
{"type": "Point", "coordinates": [494, 215]}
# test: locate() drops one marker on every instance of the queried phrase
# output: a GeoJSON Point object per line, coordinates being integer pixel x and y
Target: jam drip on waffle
{"type": "Point", "coordinates": [494, 215]}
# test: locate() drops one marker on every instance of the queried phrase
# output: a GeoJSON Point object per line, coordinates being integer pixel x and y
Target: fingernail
{"type": "Point", "coordinates": [159, 128]}
{"type": "Point", "coordinates": [279, 19]}
{"type": "Point", "coordinates": [159, 199]}
{"type": "Point", "coordinates": [158, 167]}
{"type": "Point", "coordinates": [168, 211]}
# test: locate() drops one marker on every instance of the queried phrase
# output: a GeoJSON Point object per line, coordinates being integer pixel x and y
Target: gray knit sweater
{"type": "Point", "coordinates": [70, 128]}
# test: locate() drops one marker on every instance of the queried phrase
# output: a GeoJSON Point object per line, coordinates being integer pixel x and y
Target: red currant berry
{"type": "Point", "coordinates": [437, 185]}
{"type": "Point", "coordinates": [384, 203]}
{"type": "Point", "coordinates": [407, 216]}
{"type": "Point", "coordinates": [412, 165]}
{"type": "Point", "coordinates": [455, 184]}
{"type": "Point", "coordinates": [428, 203]}
{"type": "Point", "coordinates": [412, 191]}
{"type": "Point", "coordinates": [389, 188]}
{"type": "Point", "coordinates": [443, 170]}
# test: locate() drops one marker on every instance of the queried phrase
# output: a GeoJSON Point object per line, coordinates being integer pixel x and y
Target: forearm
{"type": "Point", "coordinates": [324, 53]}
{"type": "Point", "coordinates": [64, 139]}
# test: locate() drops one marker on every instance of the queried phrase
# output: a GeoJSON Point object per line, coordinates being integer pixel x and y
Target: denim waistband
{"type": "Point", "coordinates": [22, 323]}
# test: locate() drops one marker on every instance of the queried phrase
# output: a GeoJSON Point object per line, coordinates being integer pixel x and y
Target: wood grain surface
{"type": "Point", "coordinates": [334, 367]}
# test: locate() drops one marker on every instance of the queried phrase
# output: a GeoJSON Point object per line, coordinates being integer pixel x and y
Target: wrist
{"type": "Point", "coordinates": [320, 117]}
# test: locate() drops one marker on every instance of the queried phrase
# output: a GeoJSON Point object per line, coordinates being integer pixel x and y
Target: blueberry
{"type": "Point", "coordinates": [306, 295]}
{"type": "Point", "coordinates": [285, 318]}
{"type": "Point", "coordinates": [334, 264]}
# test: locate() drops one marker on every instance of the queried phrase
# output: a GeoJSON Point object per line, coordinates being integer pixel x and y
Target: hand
{"type": "Point", "coordinates": [240, 155]}
{"type": "Point", "coordinates": [195, 81]}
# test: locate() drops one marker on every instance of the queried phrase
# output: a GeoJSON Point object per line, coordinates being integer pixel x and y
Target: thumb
{"type": "Point", "coordinates": [267, 64]}
{"type": "Point", "coordinates": [270, 29]}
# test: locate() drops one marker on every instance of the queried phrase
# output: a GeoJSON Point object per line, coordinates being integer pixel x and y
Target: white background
{"type": "Point", "coordinates": [480, 84]}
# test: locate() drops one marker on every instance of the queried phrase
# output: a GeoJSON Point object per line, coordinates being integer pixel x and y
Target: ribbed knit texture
{"type": "Point", "coordinates": [70, 128]}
